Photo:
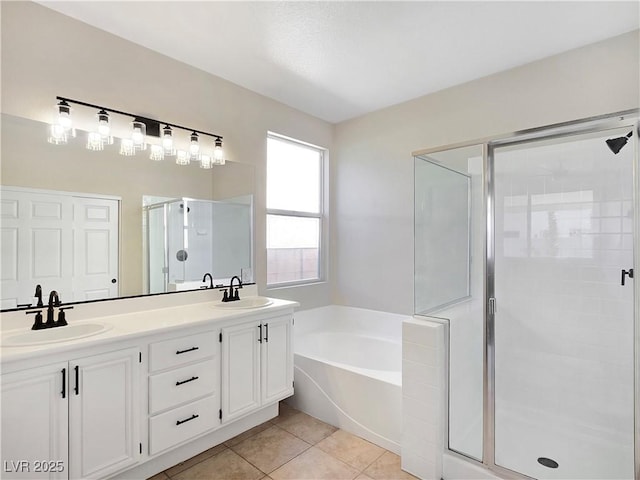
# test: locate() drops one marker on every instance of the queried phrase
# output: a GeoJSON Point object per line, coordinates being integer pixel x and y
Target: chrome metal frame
{"type": "Point", "coordinates": [627, 118]}
{"type": "Point", "coordinates": [455, 301]}
{"type": "Point", "coordinates": [636, 283]}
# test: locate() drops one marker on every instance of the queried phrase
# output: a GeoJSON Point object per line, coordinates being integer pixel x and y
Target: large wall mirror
{"type": "Point", "coordinates": [96, 225]}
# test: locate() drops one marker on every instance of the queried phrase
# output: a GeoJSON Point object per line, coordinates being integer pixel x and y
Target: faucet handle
{"type": "Point", "coordinates": [225, 297]}
{"type": "Point", "coordinates": [37, 325]}
{"type": "Point", "coordinates": [62, 320]}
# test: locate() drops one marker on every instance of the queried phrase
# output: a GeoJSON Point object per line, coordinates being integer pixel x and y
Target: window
{"type": "Point", "coordinates": [294, 211]}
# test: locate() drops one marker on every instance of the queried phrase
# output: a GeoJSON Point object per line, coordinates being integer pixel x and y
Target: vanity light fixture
{"type": "Point", "coordinates": [143, 131]}
{"type": "Point", "coordinates": [167, 141]}
{"type": "Point", "coordinates": [127, 148]}
{"type": "Point", "coordinates": [194, 147]}
{"type": "Point", "coordinates": [218, 153]}
{"type": "Point", "coordinates": [103, 123]}
{"type": "Point", "coordinates": [98, 139]}
{"type": "Point", "coordinates": [61, 128]}
{"type": "Point", "coordinates": [157, 153]}
{"type": "Point", "coordinates": [205, 161]}
{"type": "Point", "coordinates": [183, 157]}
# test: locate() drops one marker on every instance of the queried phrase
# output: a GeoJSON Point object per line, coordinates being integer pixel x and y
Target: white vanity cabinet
{"type": "Point", "coordinates": [257, 365]}
{"type": "Point", "coordinates": [75, 419]}
{"type": "Point", "coordinates": [184, 389]}
{"type": "Point", "coordinates": [35, 423]}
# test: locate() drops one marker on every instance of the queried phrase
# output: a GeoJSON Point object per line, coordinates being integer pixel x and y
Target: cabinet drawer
{"type": "Point", "coordinates": [182, 423]}
{"type": "Point", "coordinates": [178, 351]}
{"type": "Point", "coordinates": [182, 385]}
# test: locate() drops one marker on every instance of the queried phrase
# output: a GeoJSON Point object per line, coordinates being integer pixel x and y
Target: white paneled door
{"type": "Point", "coordinates": [60, 241]}
{"type": "Point", "coordinates": [95, 230]}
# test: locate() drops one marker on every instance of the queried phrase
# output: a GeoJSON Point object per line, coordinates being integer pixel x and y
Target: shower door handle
{"type": "Point", "coordinates": [624, 273]}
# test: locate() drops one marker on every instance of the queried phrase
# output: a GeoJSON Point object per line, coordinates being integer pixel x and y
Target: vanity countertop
{"type": "Point", "coordinates": [128, 326]}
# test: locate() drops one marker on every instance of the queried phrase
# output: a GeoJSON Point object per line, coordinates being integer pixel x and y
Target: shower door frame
{"type": "Point", "coordinates": [624, 119]}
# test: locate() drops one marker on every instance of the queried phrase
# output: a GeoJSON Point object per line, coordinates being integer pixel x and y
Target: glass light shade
{"type": "Point", "coordinates": [182, 158]}
{"type": "Point", "coordinates": [138, 135]}
{"type": "Point", "coordinates": [95, 141]}
{"type": "Point", "coordinates": [167, 141]}
{"type": "Point", "coordinates": [63, 114]}
{"type": "Point", "coordinates": [194, 147]}
{"type": "Point", "coordinates": [205, 161]}
{"type": "Point", "coordinates": [218, 153]}
{"type": "Point", "coordinates": [104, 128]}
{"type": "Point", "coordinates": [157, 153]}
{"type": "Point", "coordinates": [57, 134]}
{"type": "Point", "coordinates": [127, 147]}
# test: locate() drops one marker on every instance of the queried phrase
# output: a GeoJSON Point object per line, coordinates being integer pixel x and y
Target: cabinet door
{"type": "Point", "coordinates": [104, 413]}
{"type": "Point", "coordinates": [277, 359]}
{"type": "Point", "coordinates": [34, 423]}
{"type": "Point", "coordinates": [240, 391]}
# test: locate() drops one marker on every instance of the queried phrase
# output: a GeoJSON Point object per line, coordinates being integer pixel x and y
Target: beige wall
{"type": "Point", "coordinates": [372, 234]}
{"type": "Point", "coordinates": [45, 54]}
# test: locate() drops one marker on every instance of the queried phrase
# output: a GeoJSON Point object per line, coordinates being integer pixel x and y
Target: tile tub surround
{"type": "Point", "coordinates": [291, 446]}
{"type": "Point", "coordinates": [423, 397]}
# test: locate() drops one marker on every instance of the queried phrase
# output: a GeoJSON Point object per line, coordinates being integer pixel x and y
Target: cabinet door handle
{"type": "Point", "coordinates": [266, 332]}
{"type": "Point", "coordinates": [64, 383]}
{"type": "Point", "coordinates": [187, 350]}
{"type": "Point", "coordinates": [192, 417]}
{"type": "Point", "coordinates": [260, 334]}
{"type": "Point", "coordinates": [186, 381]}
{"type": "Point", "coordinates": [76, 389]}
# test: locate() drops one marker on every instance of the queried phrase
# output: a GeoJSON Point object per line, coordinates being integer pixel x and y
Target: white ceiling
{"type": "Point", "coordinates": [339, 60]}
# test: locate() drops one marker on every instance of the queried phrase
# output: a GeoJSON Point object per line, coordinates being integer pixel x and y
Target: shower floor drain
{"type": "Point", "coordinates": [547, 462]}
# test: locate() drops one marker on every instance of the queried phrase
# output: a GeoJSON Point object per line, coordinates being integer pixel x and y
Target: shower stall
{"type": "Point", "coordinates": [524, 247]}
{"type": "Point", "coordinates": [186, 238]}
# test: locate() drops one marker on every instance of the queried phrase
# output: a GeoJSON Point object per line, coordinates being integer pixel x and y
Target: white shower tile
{"type": "Point", "coordinates": [421, 334]}
{"type": "Point", "coordinates": [420, 354]}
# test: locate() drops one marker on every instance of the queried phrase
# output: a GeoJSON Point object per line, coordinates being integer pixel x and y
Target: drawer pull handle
{"type": "Point", "coordinates": [186, 381]}
{"type": "Point", "coordinates": [192, 417]}
{"type": "Point", "coordinates": [187, 350]}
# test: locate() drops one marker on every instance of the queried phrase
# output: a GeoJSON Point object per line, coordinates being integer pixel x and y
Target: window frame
{"type": "Point", "coordinates": [320, 215]}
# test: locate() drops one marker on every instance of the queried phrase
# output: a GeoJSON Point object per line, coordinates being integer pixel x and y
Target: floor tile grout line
{"type": "Point", "coordinates": [269, 473]}
{"type": "Point", "coordinates": [384, 450]}
{"type": "Point", "coordinates": [197, 463]}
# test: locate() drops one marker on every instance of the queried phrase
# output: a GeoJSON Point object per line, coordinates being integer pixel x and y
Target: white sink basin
{"type": "Point", "coordinates": [53, 335]}
{"type": "Point", "coordinates": [249, 302]}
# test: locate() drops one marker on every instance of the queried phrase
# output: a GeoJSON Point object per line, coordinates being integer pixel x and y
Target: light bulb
{"type": "Point", "coordinates": [157, 153]}
{"type": "Point", "coordinates": [218, 153]}
{"type": "Point", "coordinates": [57, 135]}
{"type": "Point", "coordinates": [167, 141]}
{"type": "Point", "coordinates": [103, 123]}
{"type": "Point", "coordinates": [205, 161]}
{"type": "Point", "coordinates": [138, 135]}
{"type": "Point", "coordinates": [94, 141]}
{"type": "Point", "coordinates": [182, 158]}
{"type": "Point", "coordinates": [64, 115]}
{"type": "Point", "coordinates": [127, 147]}
{"type": "Point", "coordinates": [194, 147]}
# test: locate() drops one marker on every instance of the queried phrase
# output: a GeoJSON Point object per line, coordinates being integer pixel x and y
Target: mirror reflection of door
{"type": "Point", "coordinates": [61, 241]}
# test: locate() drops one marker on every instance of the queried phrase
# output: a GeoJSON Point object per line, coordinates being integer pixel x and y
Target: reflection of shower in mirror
{"type": "Point", "coordinates": [185, 238]}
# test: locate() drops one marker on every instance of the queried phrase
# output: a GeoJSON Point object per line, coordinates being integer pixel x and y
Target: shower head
{"type": "Point", "coordinates": [616, 144]}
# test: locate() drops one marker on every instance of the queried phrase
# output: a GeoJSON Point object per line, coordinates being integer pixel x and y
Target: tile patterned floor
{"type": "Point", "coordinates": [292, 446]}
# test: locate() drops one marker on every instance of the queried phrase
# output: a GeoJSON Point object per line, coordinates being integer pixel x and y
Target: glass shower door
{"type": "Point", "coordinates": [563, 321]}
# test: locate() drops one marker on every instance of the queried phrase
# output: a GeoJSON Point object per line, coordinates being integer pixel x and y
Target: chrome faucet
{"type": "Point", "coordinates": [232, 296]}
{"type": "Point", "coordinates": [204, 279]}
